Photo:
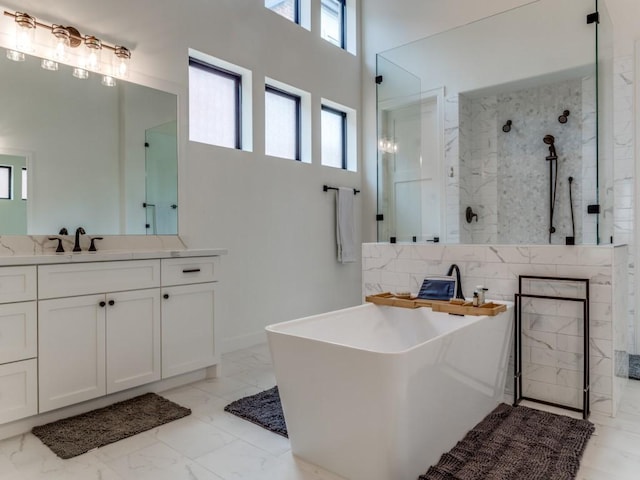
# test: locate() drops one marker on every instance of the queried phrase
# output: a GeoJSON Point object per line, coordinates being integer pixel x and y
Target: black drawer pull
{"type": "Point", "coordinates": [191, 270]}
{"type": "Point", "coordinates": [165, 296]}
{"type": "Point", "coordinates": [102, 304]}
{"type": "Point", "coordinates": [112, 302]}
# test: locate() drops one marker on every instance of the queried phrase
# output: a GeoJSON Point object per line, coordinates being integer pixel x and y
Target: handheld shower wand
{"type": "Point", "coordinates": [553, 180]}
{"type": "Point", "coordinates": [550, 140]}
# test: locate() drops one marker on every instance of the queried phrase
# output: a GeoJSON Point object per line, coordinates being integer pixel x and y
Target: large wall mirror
{"type": "Point", "coordinates": [79, 153]}
{"type": "Point", "coordinates": [499, 132]}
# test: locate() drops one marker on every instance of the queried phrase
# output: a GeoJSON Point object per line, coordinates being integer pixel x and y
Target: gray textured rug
{"type": "Point", "coordinates": [634, 367]}
{"type": "Point", "coordinates": [516, 444]}
{"type": "Point", "coordinates": [263, 409]}
{"type": "Point", "coordinates": [76, 435]}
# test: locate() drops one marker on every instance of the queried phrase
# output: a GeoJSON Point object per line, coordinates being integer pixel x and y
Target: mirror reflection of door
{"type": "Point", "coordinates": [416, 178]}
{"type": "Point", "coordinates": [161, 172]}
{"type": "Point", "coordinates": [13, 194]}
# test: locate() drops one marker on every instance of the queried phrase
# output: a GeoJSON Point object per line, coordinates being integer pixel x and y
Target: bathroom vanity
{"type": "Point", "coordinates": [81, 327]}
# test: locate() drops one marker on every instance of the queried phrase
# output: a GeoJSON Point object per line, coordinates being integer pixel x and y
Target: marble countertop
{"type": "Point", "coordinates": [106, 255]}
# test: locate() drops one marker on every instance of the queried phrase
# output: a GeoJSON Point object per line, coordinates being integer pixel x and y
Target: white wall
{"type": "Point", "coordinates": [271, 214]}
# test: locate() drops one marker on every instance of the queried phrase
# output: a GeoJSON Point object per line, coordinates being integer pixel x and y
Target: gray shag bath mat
{"type": "Point", "coordinates": [76, 435]}
{"type": "Point", "coordinates": [634, 367]}
{"type": "Point", "coordinates": [263, 409]}
{"type": "Point", "coordinates": [516, 443]}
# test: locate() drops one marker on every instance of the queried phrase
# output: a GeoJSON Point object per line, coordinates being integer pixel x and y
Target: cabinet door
{"type": "Point", "coordinates": [18, 390]}
{"type": "Point", "coordinates": [18, 323]}
{"type": "Point", "coordinates": [188, 341]}
{"type": "Point", "coordinates": [71, 350]}
{"type": "Point", "coordinates": [133, 339]}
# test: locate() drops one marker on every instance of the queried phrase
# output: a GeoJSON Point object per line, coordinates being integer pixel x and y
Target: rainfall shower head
{"type": "Point", "coordinates": [550, 140]}
{"type": "Point", "coordinates": [563, 118]}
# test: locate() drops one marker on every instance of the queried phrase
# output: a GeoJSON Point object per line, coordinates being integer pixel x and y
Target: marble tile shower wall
{"type": "Point", "coordinates": [513, 207]}
{"type": "Point", "coordinates": [623, 156]}
{"type": "Point", "coordinates": [553, 333]}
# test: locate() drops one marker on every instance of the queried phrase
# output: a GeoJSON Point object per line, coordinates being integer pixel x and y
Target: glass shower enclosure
{"type": "Point", "coordinates": [498, 132]}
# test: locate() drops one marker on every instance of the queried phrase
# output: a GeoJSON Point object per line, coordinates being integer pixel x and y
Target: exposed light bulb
{"type": "Point", "coordinates": [121, 58]}
{"type": "Point", "coordinates": [25, 32]}
{"type": "Point", "coordinates": [93, 50]}
{"type": "Point", "coordinates": [61, 42]}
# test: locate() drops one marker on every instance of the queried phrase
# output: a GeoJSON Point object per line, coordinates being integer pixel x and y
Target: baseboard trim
{"type": "Point", "coordinates": [242, 341]}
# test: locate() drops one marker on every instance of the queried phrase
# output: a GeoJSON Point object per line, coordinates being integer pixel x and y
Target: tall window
{"type": "Point", "coordinates": [334, 137]}
{"type": "Point", "coordinates": [214, 105]}
{"type": "Point", "coordinates": [5, 182]}
{"type": "Point", "coordinates": [332, 21]}
{"type": "Point", "coordinates": [287, 8]}
{"type": "Point", "coordinates": [24, 183]}
{"type": "Point", "coordinates": [282, 123]}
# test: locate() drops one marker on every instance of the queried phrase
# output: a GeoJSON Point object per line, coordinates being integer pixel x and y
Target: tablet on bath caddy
{"type": "Point", "coordinates": [438, 288]}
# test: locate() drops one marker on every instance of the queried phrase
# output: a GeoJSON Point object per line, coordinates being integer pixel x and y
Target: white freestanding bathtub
{"type": "Point", "coordinates": [379, 393]}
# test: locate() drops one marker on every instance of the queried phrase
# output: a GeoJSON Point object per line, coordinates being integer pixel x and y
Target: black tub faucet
{"type": "Point", "coordinates": [76, 246]}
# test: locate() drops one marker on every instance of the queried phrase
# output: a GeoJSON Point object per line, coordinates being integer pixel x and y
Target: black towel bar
{"type": "Point", "coordinates": [326, 188]}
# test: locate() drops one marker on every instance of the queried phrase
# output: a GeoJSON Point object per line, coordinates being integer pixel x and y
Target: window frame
{"type": "Point", "coordinates": [343, 115]}
{"type": "Point", "coordinates": [342, 12]}
{"type": "Point", "coordinates": [237, 78]}
{"type": "Point", "coordinates": [10, 182]}
{"type": "Point", "coordinates": [298, 126]}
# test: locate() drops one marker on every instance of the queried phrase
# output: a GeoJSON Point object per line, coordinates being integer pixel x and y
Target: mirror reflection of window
{"type": "Point", "coordinates": [24, 184]}
{"type": "Point", "coordinates": [5, 182]}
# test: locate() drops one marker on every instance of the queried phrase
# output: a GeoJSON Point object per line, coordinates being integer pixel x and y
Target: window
{"type": "Point", "coordinates": [5, 182]}
{"type": "Point", "coordinates": [334, 137]}
{"type": "Point", "coordinates": [289, 9]}
{"type": "Point", "coordinates": [24, 183]}
{"type": "Point", "coordinates": [282, 123]}
{"type": "Point", "coordinates": [332, 21]}
{"type": "Point", "coordinates": [214, 105]}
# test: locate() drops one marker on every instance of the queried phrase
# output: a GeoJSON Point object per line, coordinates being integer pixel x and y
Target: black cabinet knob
{"type": "Point", "coordinates": [112, 302]}
{"type": "Point", "coordinates": [165, 296]}
{"type": "Point", "coordinates": [102, 304]}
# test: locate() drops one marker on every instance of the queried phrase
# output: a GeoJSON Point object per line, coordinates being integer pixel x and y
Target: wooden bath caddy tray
{"type": "Point", "coordinates": [454, 306]}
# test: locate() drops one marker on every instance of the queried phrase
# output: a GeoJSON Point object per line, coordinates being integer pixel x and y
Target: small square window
{"type": "Point", "coordinates": [214, 105]}
{"type": "Point", "coordinates": [334, 137]}
{"type": "Point", "coordinates": [5, 182]}
{"type": "Point", "coordinates": [332, 21]}
{"type": "Point", "coordinates": [282, 123]}
{"type": "Point", "coordinates": [289, 9]}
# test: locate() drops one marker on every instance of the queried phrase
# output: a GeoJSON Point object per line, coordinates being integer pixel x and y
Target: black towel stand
{"type": "Point", "coordinates": [326, 188]}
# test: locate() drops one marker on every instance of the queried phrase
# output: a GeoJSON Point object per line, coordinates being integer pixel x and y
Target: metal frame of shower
{"type": "Point", "coordinates": [517, 343]}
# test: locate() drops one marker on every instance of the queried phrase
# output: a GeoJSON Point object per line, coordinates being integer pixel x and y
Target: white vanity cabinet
{"type": "Point", "coordinates": [101, 332]}
{"type": "Point", "coordinates": [188, 306]}
{"type": "Point", "coordinates": [18, 343]}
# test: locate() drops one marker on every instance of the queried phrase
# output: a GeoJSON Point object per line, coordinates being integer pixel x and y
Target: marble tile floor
{"type": "Point", "coordinates": [211, 444]}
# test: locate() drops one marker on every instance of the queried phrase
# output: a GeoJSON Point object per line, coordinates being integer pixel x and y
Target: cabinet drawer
{"type": "Point", "coordinates": [182, 271]}
{"type": "Point", "coordinates": [17, 284]}
{"type": "Point", "coordinates": [87, 278]}
{"type": "Point", "coordinates": [18, 390]}
{"type": "Point", "coordinates": [18, 331]}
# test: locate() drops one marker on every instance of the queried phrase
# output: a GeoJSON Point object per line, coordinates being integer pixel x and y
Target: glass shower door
{"type": "Point", "coordinates": [161, 169]}
{"type": "Point", "coordinates": [400, 167]}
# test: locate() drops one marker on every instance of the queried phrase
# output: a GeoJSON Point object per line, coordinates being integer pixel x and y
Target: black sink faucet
{"type": "Point", "coordinates": [76, 246]}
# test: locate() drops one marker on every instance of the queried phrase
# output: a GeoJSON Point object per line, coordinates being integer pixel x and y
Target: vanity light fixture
{"type": "Point", "coordinates": [65, 39]}
{"type": "Point", "coordinates": [387, 146]}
